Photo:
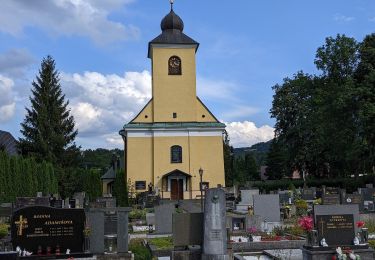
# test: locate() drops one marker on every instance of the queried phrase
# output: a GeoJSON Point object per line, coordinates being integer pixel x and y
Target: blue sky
{"type": "Point", "coordinates": [100, 48]}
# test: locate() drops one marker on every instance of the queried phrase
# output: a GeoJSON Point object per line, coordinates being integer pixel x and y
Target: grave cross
{"type": "Point", "coordinates": [321, 222]}
{"type": "Point", "coordinates": [21, 224]}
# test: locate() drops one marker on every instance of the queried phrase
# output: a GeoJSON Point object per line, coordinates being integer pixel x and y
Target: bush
{"type": "Point", "coordinates": [139, 250]}
{"type": "Point", "coordinates": [3, 230]}
{"type": "Point", "coordinates": [138, 214]}
{"type": "Point", "coordinates": [301, 207]}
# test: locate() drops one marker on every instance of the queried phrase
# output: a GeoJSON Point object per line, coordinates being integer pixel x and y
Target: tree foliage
{"type": "Point", "coordinates": [24, 177]}
{"type": "Point", "coordinates": [48, 128]}
{"type": "Point", "coordinates": [325, 123]}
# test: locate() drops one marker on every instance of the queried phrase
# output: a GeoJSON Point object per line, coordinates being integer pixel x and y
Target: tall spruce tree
{"type": "Point", "coordinates": [48, 128]}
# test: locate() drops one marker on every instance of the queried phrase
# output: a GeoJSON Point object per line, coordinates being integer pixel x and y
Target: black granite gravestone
{"type": "Point", "coordinates": [338, 230]}
{"type": "Point", "coordinates": [48, 229]}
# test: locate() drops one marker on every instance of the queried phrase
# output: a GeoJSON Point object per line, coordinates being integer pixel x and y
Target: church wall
{"type": "Point", "coordinates": [197, 151]}
{"type": "Point", "coordinates": [139, 160]}
{"type": "Point", "coordinates": [207, 152]}
{"type": "Point", "coordinates": [174, 93]}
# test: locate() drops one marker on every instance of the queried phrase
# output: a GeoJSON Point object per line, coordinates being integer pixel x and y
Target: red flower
{"type": "Point", "coordinates": [360, 224]}
{"type": "Point", "coordinates": [306, 223]}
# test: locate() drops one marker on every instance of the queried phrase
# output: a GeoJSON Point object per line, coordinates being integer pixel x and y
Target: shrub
{"type": "Point", "coordinates": [3, 230]}
{"type": "Point", "coordinates": [301, 207]}
{"type": "Point", "coordinates": [138, 214]}
{"type": "Point", "coordinates": [139, 250]}
{"type": "Point", "coordinates": [372, 243]}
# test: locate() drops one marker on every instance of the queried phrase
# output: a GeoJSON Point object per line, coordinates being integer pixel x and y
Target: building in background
{"type": "Point", "coordinates": [8, 143]}
{"type": "Point", "coordinates": [174, 135]}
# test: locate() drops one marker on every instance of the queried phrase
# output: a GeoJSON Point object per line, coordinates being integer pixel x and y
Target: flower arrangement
{"type": "Point", "coordinates": [360, 224]}
{"type": "Point", "coordinates": [306, 223]}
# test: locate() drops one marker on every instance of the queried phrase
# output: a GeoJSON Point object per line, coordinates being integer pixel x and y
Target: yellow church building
{"type": "Point", "coordinates": [174, 138]}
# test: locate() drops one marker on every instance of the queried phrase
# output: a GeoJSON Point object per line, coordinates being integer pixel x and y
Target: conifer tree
{"type": "Point", "coordinates": [48, 128]}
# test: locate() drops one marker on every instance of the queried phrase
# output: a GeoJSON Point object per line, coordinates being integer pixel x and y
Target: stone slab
{"type": "Point", "coordinates": [267, 206]}
{"type": "Point", "coordinates": [163, 218]}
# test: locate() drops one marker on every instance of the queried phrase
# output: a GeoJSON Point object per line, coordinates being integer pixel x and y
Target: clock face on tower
{"type": "Point", "coordinates": [174, 65]}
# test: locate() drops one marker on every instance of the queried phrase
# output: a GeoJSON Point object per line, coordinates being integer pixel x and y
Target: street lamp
{"type": "Point", "coordinates": [201, 186]}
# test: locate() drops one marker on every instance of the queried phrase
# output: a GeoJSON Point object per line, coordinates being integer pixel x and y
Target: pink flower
{"type": "Point", "coordinates": [306, 223]}
{"type": "Point", "coordinates": [252, 230]}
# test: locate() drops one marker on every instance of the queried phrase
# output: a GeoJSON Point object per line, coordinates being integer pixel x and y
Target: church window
{"type": "Point", "coordinates": [140, 185]}
{"type": "Point", "coordinates": [203, 116]}
{"type": "Point", "coordinates": [176, 154]}
{"type": "Point", "coordinates": [174, 115]}
{"type": "Point", "coordinates": [174, 66]}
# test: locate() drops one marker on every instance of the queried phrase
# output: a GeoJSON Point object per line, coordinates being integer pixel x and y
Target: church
{"type": "Point", "coordinates": [174, 146]}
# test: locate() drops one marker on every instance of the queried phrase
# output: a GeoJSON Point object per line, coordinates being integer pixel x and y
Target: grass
{"type": "Point", "coordinates": [162, 242]}
{"type": "Point", "coordinates": [139, 250]}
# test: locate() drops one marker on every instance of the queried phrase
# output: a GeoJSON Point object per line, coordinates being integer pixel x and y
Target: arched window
{"type": "Point", "coordinates": [176, 154]}
{"type": "Point", "coordinates": [174, 66]}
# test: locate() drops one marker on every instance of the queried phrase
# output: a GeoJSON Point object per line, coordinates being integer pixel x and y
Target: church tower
{"type": "Point", "coordinates": [175, 136]}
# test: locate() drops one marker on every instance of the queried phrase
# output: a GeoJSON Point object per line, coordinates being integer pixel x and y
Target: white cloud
{"type": "Point", "coordinates": [7, 99]}
{"type": "Point", "coordinates": [101, 104]}
{"type": "Point", "coordinates": [343, 18]}
{"type": "Point", "coordinates": [244, 134]}
{"type": "Point", "coordinates": [68, 18]}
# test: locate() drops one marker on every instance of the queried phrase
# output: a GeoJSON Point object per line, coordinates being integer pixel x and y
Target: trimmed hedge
{"type": "Point", "coordinates": [350, 184]}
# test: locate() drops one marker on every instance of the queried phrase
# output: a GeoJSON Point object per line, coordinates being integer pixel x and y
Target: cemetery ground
{"type": "Point", "coordinates": [304, 223]}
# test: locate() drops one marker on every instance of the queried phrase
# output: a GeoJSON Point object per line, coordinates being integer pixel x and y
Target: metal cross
{"type": "Point", "coordinates": [321, 222]}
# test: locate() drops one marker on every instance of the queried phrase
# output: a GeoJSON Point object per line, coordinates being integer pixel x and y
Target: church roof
{"type": "Point", "coordinates": [8, 143]}
{"type": "Point", "coordinates": [172, 27]}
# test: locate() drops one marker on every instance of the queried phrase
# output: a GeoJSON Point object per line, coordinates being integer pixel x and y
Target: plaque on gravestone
{"type": "Point", "coordinates": [37, 226]}
{"type": "Point", "coordinates": [338, 230]}
{"type": "Point", "coordinates": [330, 199]}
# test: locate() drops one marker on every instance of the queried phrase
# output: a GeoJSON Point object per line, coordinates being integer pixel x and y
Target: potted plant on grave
{"type": "Point", "coordinates": [254, 235]}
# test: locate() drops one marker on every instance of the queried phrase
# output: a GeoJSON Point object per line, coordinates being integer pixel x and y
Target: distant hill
{"type": "Point", "coordinates": [262, 147]}
{"type": "Point", "coordinates": [258, 150]}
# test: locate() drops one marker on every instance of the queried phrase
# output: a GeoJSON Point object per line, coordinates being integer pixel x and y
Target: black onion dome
{"type": "Point", "coordinates": [172, 22]}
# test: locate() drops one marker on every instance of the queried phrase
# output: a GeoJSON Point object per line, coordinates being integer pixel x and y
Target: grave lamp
{"type": "Point", "coordinates": [200, 171]}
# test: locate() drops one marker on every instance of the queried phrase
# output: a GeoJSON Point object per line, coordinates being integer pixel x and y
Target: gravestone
{"type": "Point", "coordinates": [163, 218]}
{"type": "Point", "coordinates": [22, 202]}
{"type": "Point", "coordinates": [246, 200]}
{"type": "Point", "coordinates": [308, 194]}
{"type": "Point", "coordinates": [284, 198]}
{"type": "Point", "coordinates": [79, 199]}
{"type": "Point", "coordinates": [354, 199]}
{"type": "Point", "coordinates": [187, 229]}
{"type": "Point", "coordinates": [96, 222]}
{"type": "Point", "coordinates": [335, 223]}
{"type": "Point", "coordinates": [331, 196]}
{"type": "Point", "coordinates": [267, 206]}
{"type": "Point", "coordinates": [150, 219]}
{"type": "Point", "coordinates": [215, 235]}
{"type": "Point", "coordinates": [254, 222]}
{"type": "Point", "coordinates": [38, 226]}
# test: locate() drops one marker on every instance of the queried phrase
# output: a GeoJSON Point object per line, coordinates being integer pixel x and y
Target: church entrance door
{"type": "Point", "coordinates": [177, 189]}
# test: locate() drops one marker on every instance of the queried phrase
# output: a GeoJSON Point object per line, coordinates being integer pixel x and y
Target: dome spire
{"type": "Point", "coordinates": [172, 21]}
{"type": "Point", "coordinates": [172, 2]}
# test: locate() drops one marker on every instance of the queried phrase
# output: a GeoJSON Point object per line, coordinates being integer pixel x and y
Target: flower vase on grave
{"type": "Point", "coordinates": [364, 236]}
{"type": "Point", "coordinates": [87, 244]}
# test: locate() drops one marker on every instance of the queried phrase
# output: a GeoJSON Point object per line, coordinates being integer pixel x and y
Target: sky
{"type": "Point", "coordinates": [100, 49]}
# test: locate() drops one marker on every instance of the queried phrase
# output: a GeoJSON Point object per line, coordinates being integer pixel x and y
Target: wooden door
{"type": "Point", "coordinates": [177, 189]}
